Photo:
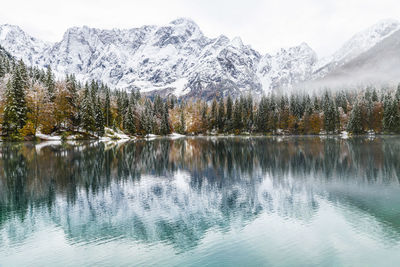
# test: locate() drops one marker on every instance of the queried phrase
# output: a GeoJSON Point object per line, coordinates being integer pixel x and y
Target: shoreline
{"type": "Point", "coordinates": [178, 136]}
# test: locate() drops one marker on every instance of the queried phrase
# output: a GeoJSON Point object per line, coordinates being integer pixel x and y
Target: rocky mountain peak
{"type": "Point", "coordinates": [177, 58]}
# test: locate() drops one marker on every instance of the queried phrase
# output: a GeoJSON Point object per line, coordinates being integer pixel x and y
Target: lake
{"type": "Point", "coordinates": [202, 201]}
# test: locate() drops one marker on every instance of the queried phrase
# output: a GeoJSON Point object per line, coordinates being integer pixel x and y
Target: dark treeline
{"type": "Point", "coordinates": [32, 101]}
{"type": "Point", "coordinates": [358, 112]}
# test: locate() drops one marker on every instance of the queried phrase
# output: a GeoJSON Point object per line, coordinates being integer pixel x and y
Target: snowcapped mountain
{"type": "Point", "coordinates": [179, 59]}
{"type": "Point", "coordinates": [378, 65]}
{"type": "Point", "coordinates": [176, 58]}
{"type": "Point", "coordinates": [358, 44]}
{"type": "Point", "coordinates": [20, 44]}
{"type": "Point", "coordinates": [287, 68]}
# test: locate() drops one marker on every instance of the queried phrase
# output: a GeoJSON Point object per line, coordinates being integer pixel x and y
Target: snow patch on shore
{"type": "Point", "coordinates": [110, 134]}
{"type": "Point", "coordinates": [176, 136]}
{"type": "Point", "coordinates": [48, 137]}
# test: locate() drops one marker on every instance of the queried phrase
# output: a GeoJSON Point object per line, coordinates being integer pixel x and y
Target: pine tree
{"type": "Point", "coordinates": [132, 99]}
{"type": "Point", "coordinates": [23, 74]}
{"type": "Point", "coordinates": [374, 96]}
{"type": "Point", "coordinates": [130, 121]}
{"type": "Point", "coordinates": [137, 95]}
{"type": "Point", "coordinates": [214, 114]}
{"type": "Point", "coordinates": [397, 95]}
{"type": "Point", "coordinates": [391, 116]}
{"type": "Point", "coordinates": [272, 115]}
{"type": "Point", "coordinates": [204, 120]}
{"type": "Point", "coordinates": [107, 109]}
{"type": "Point", "coordinates": [262, 115]}
{"type": "Point", "coordinates": [88, 121]}
{"type": "Point", "coordinates": [229, 108]}
{"type": "Point", "coordinates": [99, 118]}
{"type": "Point", "coordinates": [182, 122]}
{"type": "Point", "coordinates": [237, 117]}
{"type": "Point", "coordinates": [94, 89]}
{"type": "Point", "coordinates": [165, 125]}
{"type": "Point", "coordinates": [331, 114]}
{"type": "Point", "coordinates": [341, 101]}
{"type": "Point", "coordinates": [49, 83]}
{"type": "Point", "coordinates": [370, 113]}
{"type": "Point", "coordinates": [15, 110]}
{"type": "Point", "coordinates": [147, 118]}
{"type": "Point", "coordinates": [221, 115]}
{"type": "Point", "coordinates": [158, 106]}
{"type": "Point", "coordinates": [293, 105]}
{"type": "Point", "coordinates": [308, 108]}
{"type": "Point", "coordinates": [143, 123]}
{"type": "Point", "coordinates": [308, 113]}
{"type": "Point", "coordinates": [248, 113]}
{"type": "Point", "coordinates": [122, 107]}
{"type": "Point", "coordinates": [355, 124]}
{"type": "Point", "coordinates": [316, 104]}
{"type": "Point", "coordinates": [172, 100]}
{"type": "Point", "coordinates": [284, 113]}
{"type": "Point", "coordinates": [228, 117]}
{"type": "Point", "coordinates": [2, 69]}
{"type": "Point", "coordinates": [73, 100]}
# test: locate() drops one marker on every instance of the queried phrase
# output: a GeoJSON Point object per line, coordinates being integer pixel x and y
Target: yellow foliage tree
{"type": "Point", "coordinates": [315, 123]}
{"type": "Point", "coordinates": [62, 109]}
{"type": "Point", "coordinates": [40, 115]}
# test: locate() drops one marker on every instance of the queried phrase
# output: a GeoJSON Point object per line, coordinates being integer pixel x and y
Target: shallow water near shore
{"type": "Point", "coordinates": [201, 201]}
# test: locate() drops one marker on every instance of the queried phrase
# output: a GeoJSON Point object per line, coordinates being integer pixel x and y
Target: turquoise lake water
{"type": "Point", "coordinates": [235, 201]}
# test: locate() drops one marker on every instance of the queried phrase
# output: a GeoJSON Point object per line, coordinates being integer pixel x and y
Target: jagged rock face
{"type": "Point", "coordinates": [4, 54]}
{"type": "Point", "coordinates": [287, 68]}
{"type": "Point", "coordinates": [178, 59]}
{"type": "Point", "coordinates": [20, 44]}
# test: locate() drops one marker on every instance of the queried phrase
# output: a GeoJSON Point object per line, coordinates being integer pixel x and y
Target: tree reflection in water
{"type": "Point", "coordinates": [174, 191]}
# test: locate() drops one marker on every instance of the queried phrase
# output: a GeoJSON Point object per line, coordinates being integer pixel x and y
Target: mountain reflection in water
{"type": "Point", "coordinates": [174, 192]}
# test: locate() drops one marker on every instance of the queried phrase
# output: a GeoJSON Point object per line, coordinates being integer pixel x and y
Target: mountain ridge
{"type": "Point", "coordinates": [179, 59]}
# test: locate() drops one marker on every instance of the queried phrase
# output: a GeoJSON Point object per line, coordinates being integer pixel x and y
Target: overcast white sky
{"type": "Point", "coordinates": [265, 25]}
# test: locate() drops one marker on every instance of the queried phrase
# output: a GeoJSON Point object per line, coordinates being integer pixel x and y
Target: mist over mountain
{"type": "Point", "coordinates": [179, 59]}
{"type": "Point", "coordinates": [378, 65]}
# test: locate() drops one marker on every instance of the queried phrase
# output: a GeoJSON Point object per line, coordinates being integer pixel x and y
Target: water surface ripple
{"type": "Point", "coordinates": [262, 201]}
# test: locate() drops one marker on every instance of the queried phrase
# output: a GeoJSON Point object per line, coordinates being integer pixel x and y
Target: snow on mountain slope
{"type": "Point", "coordinates": [20, 44]}
{"type": "Point", "coordinates": [378, 65]}
{"type": "Point", "coordinates": [286, 68]}
{"type": "Point", "coordinates": [178, 59]}
{"type": "Point", "coordinates": [358, 44]}
{"type": "Point", "coordinates": [225, 64]}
